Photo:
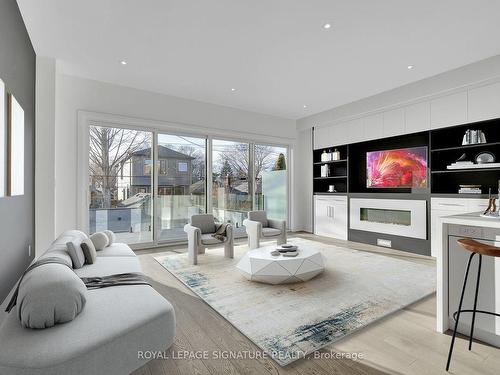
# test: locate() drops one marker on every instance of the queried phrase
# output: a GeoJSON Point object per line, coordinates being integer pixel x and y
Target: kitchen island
{"type": "Point", "coordinates": [451, 265]}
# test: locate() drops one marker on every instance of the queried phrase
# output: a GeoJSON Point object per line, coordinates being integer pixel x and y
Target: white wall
{"type": "Point", "coordinates": [467, 94]}
{"type": "Point", "coordinates": [45, 87]}
{"type": "Point", "coordinates": [74, 94]}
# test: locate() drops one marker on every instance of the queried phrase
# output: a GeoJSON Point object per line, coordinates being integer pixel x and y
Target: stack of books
{"type": "Point", "coordinates": [460, 165]}
{"type": "Point", "coordinates": [469, 189]}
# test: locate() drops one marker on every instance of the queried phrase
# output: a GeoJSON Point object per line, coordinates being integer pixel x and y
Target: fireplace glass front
{"type": "Point", "coordinates": [385, 216]}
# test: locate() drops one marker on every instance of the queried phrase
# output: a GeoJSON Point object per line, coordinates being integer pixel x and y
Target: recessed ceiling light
{"type": "Point", "coordinates": [410, 67]}
{"type": "Point", "coordinates": [123, 62]}
{"type": "Point", "coordinates": [233, 89]}
{"type": "Point", "coordinates": [305, 106]}
{"type": "Point", "coordinates": [327, 26]}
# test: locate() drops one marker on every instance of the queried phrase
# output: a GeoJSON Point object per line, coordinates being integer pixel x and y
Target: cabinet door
{"type": "Point", "coordinates": [321, 137]}
{"type": "Point", "coordinates": [449, 110]}
{"type": "Point", "coordinates": [330, 218]}
{"type": "Point", "coordinates": [321, 216]}
{"type": "Point", "coordinates": [478, 205]}
{"type": "Point", "coordinates": [417, 117]}
{"type": "Point", "coordinates": [339, 217]}
{"type": "Point", "coordinates": [373, 126]}
{"type": "Point", "coordinates": [484, 102]}
{"type": "Point", "coordinates": [394, 122]}
{"type": "Point", "coordinates": [355, 131]}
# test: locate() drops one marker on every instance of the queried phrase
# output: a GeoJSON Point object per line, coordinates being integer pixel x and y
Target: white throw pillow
{"type": "Point", "coordinates": [49, 295]}
{"type": "Point", "coordinates": [100, 240]}
{"type": "Point", "coordinates": [111, 237]}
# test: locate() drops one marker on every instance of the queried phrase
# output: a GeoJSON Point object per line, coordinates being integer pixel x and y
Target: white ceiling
{"type": "Point", "coordinates": [274, 52]}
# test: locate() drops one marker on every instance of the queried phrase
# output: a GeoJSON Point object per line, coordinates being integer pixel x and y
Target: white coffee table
{"type": "Point", "coordinates": [259, 265]}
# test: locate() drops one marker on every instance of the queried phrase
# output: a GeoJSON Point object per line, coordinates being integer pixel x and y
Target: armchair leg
{"type": "Point", "coordinates": [229, 250]}
{"type": "Point", "coordinates": [193, 255]}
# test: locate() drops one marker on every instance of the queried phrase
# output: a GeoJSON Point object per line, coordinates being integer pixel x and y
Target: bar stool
{"type": "Point", "coordinates": [474, 247]}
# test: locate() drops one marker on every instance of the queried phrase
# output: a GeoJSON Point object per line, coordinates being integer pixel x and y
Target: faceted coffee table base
{"type": "Point", "coordinates": [259, 265]}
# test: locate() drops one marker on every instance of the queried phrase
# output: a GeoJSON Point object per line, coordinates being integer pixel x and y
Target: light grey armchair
{"type": "Point", "coordinates": [200, 232]}
{"type": "Point", "coordinates": [259, 226]}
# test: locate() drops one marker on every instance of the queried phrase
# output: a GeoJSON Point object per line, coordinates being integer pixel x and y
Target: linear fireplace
{"type": "Point", "coordinates": [399, 217]}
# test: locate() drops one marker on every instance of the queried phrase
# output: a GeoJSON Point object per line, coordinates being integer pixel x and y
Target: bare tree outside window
{"type": "Point", "coordinates": [110, 149]}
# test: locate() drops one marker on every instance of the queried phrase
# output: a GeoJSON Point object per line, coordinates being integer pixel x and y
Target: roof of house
{"type": "Point", "coordinates": [163, 153]}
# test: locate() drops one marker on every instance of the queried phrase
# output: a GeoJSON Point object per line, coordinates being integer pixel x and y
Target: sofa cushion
{"type": "Point", "coordinates": [105, 266]}
{"type": "Point", "coordinates": [100, 240]}
{"type": "Point", "coordinates": [270, 232]}
{"type": "Point", "coordinates": [88, 251]}
{"type": "Point", "coordinates": [205, 222]}
{"type": "Point", "coordinates": [111, 237]}
{"type": "Point", "coordinates": [76, 253]}
{"type": "Point", "coordinates": [258, 216]}
{"type": "Point", "coordinates": [207, 239]}
{"type": "Point", "coordinates": [50, 294]}
{"type": "Point", "coordinates": [116, 250]}
{"type": "Point", "coordinates": [60, 251]}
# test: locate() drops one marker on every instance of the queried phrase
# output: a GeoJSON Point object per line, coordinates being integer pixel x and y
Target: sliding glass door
{"type": "Point", "coordinates": [271, 180]}
{"type": "Point", "coordinates": [181, 183]}
{"type": "Point", "coordinates": [120, 183]}
{"type": "Point", "coordinates": [232, 187]}
{"type": "Point", "coordinates": [146, 185]}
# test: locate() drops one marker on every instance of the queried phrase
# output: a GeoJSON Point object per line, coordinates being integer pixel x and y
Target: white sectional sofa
{"type": "Point", "coordinates": [115, 325]}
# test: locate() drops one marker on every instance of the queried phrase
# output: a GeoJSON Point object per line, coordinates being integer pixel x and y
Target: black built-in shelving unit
{"type": "Point", "coordinates": [339, 170]}
{"type": "Point", "coordinates": [444, 147]}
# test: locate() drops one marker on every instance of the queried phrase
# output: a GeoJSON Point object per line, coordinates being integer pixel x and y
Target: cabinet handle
{"type": "Point", "coordinates": [451, 204]}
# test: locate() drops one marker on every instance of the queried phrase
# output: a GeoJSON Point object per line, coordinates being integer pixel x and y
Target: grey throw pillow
{"type": "Point", "coordinates": [49, 295]}
{"type": "Point", "coordinates": [111, 237]}
{"type": "Point", "coordinates": [76, 253]}
{"type": "Point", "coordinates": [100, 240]}
{"type": "Point", "coordinates": [88, 251]}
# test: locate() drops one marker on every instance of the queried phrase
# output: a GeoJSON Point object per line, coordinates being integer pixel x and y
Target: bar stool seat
{"type": "Point", "coordinates": [475, 247]}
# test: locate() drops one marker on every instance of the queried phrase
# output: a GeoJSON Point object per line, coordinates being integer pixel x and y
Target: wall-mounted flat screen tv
{"type": "Point", "coordinates": [401, 168]}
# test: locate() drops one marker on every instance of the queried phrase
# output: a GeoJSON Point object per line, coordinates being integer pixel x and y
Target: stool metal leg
{"type": "Point", "coordinates": [475, 302]}
{"type": "Point", "coordinates": [458, 313]}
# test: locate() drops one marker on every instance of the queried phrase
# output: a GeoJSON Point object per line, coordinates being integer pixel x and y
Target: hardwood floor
{"type": "Point", "coordinates": [403, 343]}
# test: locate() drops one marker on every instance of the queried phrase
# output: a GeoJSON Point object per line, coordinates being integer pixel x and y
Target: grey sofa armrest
{"type": "Point", "coordinates": [277, 224]}
{"type": "Point", "coordinates": [193, 234]}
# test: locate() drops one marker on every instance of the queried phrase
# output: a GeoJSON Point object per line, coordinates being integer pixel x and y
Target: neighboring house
{"type": "Point", "coordinates": [174, 175]}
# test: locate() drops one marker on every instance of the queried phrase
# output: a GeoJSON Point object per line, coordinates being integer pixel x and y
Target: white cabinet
{"type": "Point", "coordinates": [330, 216]}
{"type": "Point", "coordinates": [394, 122]}
{"type": "Point", "coordinates": [441, 207]}
{"type": "Point", "coordinates": [449, 110]}
{"type": "Point", "coordinates": [322, 137]}
{"type": "Point", "coordinates": [373, 126]}
{"type": "Point", "coordinates": [418, 117]}
{"type": "Point", "coordinates": [355, 131]}
{"type": "Point", "coordinates": [484, 102]}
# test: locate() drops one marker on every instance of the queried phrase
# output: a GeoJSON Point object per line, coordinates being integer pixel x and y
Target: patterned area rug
{"type": "Point", "coordinates": [290, 321]}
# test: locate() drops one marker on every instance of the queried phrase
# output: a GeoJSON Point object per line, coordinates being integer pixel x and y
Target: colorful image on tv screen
{"type": "Point", "coordinates": [402, 168]}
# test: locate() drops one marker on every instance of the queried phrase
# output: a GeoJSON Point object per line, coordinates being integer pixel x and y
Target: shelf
{"type": "Point", "coordinates": [328, 178]}
{"type": "Point", "coordinates": [330, 162]}
{"type": "Point", "coordinates": [465, 147]}
{"type": "Point", "coordinates": [467, 170]}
